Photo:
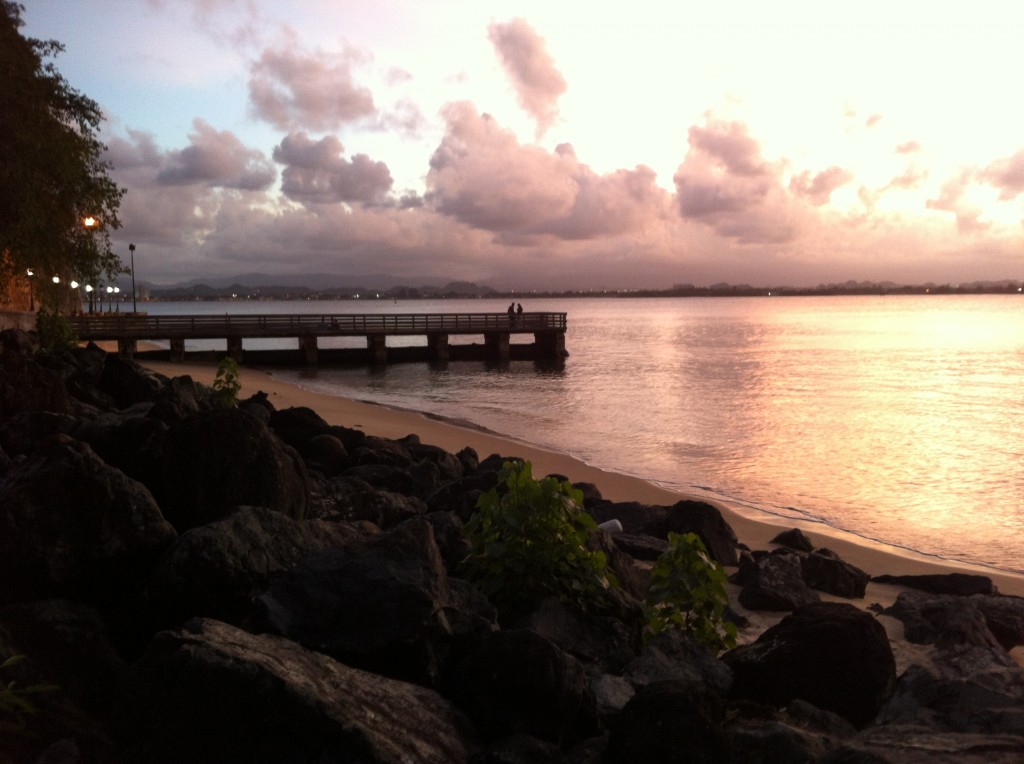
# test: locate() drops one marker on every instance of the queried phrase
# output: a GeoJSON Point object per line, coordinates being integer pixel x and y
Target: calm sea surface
{"type": "Point", "coordinates": [900, 419]}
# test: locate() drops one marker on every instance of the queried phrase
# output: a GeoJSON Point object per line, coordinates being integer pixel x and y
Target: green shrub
{"type": "Point", "coordinates": [688, 592]}
{"type": "Point", "coordinates": [227, 382]}
{"type": "Point", "coordinates": [528, 541]}
{"type": "Point", "coordinates": [16, 706]}
{"type": "Point", "coordinates": [54, 330]}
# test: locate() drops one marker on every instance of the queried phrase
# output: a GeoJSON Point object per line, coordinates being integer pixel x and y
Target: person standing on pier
{"type": "Point", "coordinates": [519, 314]}
{"type": "Point", "coordinates": [511, 312]}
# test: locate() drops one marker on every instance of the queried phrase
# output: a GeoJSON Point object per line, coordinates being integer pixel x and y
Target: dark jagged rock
{"type": "Point", "coordinates": [962, 584]}
{"type": "Point", "coordinates": [26, 431]}
{"type": "Point", "coordinates": [794, 539]}
{"type": "Point", "coordinates": [348, 497]}
{"type": "Point", "coordinates": [669, 721]}
{"type": "Point", "coordinates": [218, 460]}
{"type": "Point", "coordinates": [635, 517]}
{"type": "Point", "coordinates": [682, 517]}
{"type": "Point", "coordinates": [983, 695]}
{"type": "Point", "coordinates": [516, 681]}
{"type": "Point", "coordinates": [133, 444]}
{"type": "Point", "coordinates": [24, 384]}
{"type": "Point", "coordinates": [602, 641]}
{"type": "Point", "coordinates": [830, 654]}
{"type": "Point", "coordinates": [675, 655]}
{"type": "Point", "coordinates": [326, 454]}
{"type": "Point", "coordinates": [380, 604]}
{"type": "Point", "coordinates": [211, 692]}
{"type": "Point", "coordinates": [178, 398]}
{"type": "Point", "coordinates": [127, 382]}
{"type": "Point", "coordinates": [824, 571]}
{"type": "Point", "coordinates": [925, 615]}
{"type": "Point", "coordinates": [776, 583]}
{"type": "Point", "coordinates": [450, 468]}
{"type": "Point", "coordinates": [217, 569]}
{"type": "Point", "coordinates": [72, 526]}
{"type": "Point", "coordinates": [640, 547]}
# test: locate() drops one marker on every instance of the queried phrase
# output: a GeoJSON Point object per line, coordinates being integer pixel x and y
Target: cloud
{"type": "Point", "coordinates": [293, 91]}
{"type": "Point", "coordinates": [217, 159]}
{"type": "Point", "coordinates": [536, 79]}
{"type": "Point", "coordinates": [317, 173]}
{"type": "Point", "coordinates": [481, 176]}
{"type": "Point", "coordinates": [909, 147]}
{"type": "Point", "coordinates": [818, 189]}
{"type": "Point", "coordinates": [1007, 175]}
{"type": "Point", "coordinates": [725, 183]}
{"type": "Point", "coordinates": [951, 199]}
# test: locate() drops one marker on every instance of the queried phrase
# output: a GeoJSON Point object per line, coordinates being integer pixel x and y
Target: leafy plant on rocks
{"type": "Point", "coordinates": [227, 383]}
{"type": "Point", "coordinates": [688, 592]}
{"type": "Point", "coordinates": [54, 330]}
{"type": "Point", "coordinates": [528, 541]}
{"type": "Point", "coordinates": [16, 705]}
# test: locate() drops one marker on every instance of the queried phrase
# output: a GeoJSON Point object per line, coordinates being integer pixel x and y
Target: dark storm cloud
{"type": "Point", "coordinates": [314, 92]}
{"type": "Point", "coordinates": [217, 159]}
{"type": "Point", "coordinates": [536, 79]}
{"type": "Point", "coordinates": [317, 172]}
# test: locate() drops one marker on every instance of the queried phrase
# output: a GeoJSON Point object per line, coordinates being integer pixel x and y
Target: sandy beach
{"type": "Point", "coordinates": [876, 559]}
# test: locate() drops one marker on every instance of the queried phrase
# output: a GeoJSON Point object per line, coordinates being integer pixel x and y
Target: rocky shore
{"type": "Point", "coordinates": [189, 582]}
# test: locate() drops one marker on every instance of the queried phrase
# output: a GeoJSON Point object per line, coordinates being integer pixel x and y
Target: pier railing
{"type": "Point", "coordinates": [136, 327]}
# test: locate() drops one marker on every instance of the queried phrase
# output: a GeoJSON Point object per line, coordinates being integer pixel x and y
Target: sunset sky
{"type": "Point", "coordinates": [534, 145]}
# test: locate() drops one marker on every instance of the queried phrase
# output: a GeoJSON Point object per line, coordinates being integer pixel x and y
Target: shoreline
{"type": "Point", "coordinates": [385, 421]}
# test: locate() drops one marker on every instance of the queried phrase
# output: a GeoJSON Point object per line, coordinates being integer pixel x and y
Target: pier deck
{"type": "Point", "coordinates": [548, 330]}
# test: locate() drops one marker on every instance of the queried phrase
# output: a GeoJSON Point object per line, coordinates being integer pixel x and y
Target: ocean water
{"type": "Point", "coordinates": [896, 418]}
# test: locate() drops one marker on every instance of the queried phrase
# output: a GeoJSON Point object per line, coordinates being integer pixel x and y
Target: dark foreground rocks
{"type": "Point", "coordinates": [186, 582]}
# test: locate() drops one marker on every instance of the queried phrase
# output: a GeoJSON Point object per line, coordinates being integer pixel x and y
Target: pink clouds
{"type": "Point", "coordinates": [818, 189]}
{"type": "Point", "coordinates": [315, 92]}
{"type": "Point", "coordinates": [316, 172]}
{"type": "Point", "coordinates": [536, 79]}
{"type": "Point", "coordinates": [483, 177]}
{"type": "Point", "coordinates": [1007, 175]}
{"type": "Point", "coordinates": [725, 183]}
{"type": "Point", "coordinates": [217, 159]}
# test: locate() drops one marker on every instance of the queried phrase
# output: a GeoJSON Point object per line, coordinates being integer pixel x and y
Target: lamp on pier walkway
{"type": "Point", "coordinates": [131, 249]}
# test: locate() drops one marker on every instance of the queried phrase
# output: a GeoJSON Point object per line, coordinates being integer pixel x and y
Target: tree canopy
{"type": "Point", "coordinates": [52, 173]}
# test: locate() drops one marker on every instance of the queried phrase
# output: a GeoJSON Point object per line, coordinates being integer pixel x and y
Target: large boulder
{"type": "Point", "coordinates": [776, 582]}
{"type": "Point", "coordinates": [211, 692]}
{"type": "Point", "coordinates": [516, 681]}
{"type": "Point", "coordinates": [24, 384]}
{"type": "Point", "coordinates": [217, 461]}
{"type": "Point", "coordinates": [70, 525]}
{"type": "Point", "coordinates": [830, 654]}
{"type": "Point", "coordinates": [217, 569]}
{"type": "Point", "coordinates": [669, 721]}
{"type": "Point", "coordinates": [925, 615]}
{"type": "Point", "coordinates": [825, 572]}
{"type": "Point", "coordinates": [962, 584]}
{"type": "Point", "coordinates": [127, 382]}
{"type": "Point", "coordinates": [382, 604]}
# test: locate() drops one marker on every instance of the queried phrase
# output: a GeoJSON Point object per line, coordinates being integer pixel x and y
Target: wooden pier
{"type": "Point", "coordinates": [548, 330]}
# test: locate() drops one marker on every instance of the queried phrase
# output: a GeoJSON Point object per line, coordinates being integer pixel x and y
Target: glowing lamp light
{"type": "Point", "coordinates": [89, 221]}
{"type": "Point", "coordinates": [30, 272]}
{"type": "Point", "coordinates": [56, 279]}
{"type": "Point", "coordinates": [74, 284]}
{"type": "Point", "coordinates": [110, 289]}
{"type": "Point", "coordinates": [88, 287]}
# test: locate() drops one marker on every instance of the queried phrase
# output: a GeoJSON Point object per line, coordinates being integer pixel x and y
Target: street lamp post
{"type": "Point", "coordinates": [131, 249]}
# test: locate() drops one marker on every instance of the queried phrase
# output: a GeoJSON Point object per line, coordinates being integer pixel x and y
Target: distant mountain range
{"type": "Point", "coordinates": [333, 286]}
